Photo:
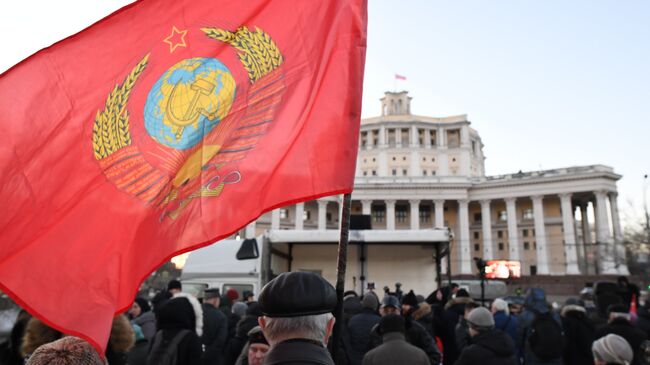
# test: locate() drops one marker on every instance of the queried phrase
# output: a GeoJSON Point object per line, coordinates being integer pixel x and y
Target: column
{"type": "Point", "coordinates": [579, 246]}
{"type": "Point", "coordinates": [275, 219]}
{"type": "Point", "coordinates": [414, 136]}
{"type": "Point", "coordinates": [390, 214]}
{"type": "Point", "coordinates": [463, 228]}
{"type": "Point", "coordinates": [250, 230]}
{"type": "Point", "coordinates": [603, 236]}
{"type": "Point", "coordinates": [427, 138]}
{"type": "Point", "coordinates": [513, 232]}
{"type": "Point", "coordinates": [382, 159]}
{"type": "Point", "coordinates": [415, 214]}
{"type": "Point", "coordinates": [540, 235]}
{"type": "Point", "coordinates": [300, 212]}
{"type": "Point", "coordinates": [568, 222]}
{"type": "Point", "coordinates": [464, 136]}
{"type": "Point", "coordinates": [443, 157]}
{"type": "Point", "coordinates": [382, 136]}
{"type": "Point", "coordinates": [618, 236]}
{"type": "Point", "coordinates": [439, 213]}
{"type": "Point", "coordinates": [486, 218]}
{"type": "Point", "coordinates": [322, 215]}
{"type": "Point", "coordinates": [366, 207]}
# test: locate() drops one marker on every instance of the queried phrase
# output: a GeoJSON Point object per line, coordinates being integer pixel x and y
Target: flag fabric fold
{"type": "Point", "coordinates": [162, 128]}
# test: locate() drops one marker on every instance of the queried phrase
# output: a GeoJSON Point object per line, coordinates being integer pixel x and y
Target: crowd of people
{"type": "Point", "coordinates": [292, 323]}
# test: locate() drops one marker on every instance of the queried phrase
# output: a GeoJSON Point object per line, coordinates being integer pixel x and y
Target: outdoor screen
{"type": "Point", "coordinates": [503, 269]}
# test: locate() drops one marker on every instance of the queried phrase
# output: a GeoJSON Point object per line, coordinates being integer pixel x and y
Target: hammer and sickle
{"type": "Point", "coordinates": [200, 88]}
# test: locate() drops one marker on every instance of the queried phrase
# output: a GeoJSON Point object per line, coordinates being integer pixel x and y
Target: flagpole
{"type": "Point", "coordinates": [340, 272]}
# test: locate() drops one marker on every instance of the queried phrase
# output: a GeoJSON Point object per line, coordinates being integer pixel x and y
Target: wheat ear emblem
{"type": "Point", "coordinates": [257, 51]}
{"type": "Point", "coordinates": [111, 127]}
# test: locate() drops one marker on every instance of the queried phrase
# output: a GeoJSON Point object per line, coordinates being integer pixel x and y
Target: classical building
{"type": "Point", "coordinates": [416, 173]}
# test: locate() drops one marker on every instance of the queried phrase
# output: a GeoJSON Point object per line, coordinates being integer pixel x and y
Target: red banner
{"type": "Point", "coordinates": [162, 128]}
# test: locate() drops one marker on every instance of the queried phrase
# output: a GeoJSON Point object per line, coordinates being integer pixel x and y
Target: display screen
{"type": "Point", "coordinates": [503, 269]}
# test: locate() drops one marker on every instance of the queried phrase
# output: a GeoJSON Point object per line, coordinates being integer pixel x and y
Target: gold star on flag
{"type": "Point", "coordinates": [176, 39]}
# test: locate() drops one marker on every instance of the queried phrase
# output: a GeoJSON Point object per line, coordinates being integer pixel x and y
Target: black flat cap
{"type": "Point", "coordinates": [294, 294]}
{"type": "Point", "coordinates": [211, 293]}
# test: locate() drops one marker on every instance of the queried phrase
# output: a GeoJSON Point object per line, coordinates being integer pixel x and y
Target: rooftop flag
{"type": "Point", "coordinates": [164, 127]}
{"type": "Point", "coordinates": [400, 77]}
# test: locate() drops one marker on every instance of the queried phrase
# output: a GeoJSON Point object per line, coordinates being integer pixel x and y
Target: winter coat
{"type": "Point", "coordinates": [534, 303]}
{"type": "Point", "coordinates": [298, 352]}
{"type": "Point", "coordinates": [359, 328]}
{"type": "Point", "coordinates": [178, 314]}
{"type": "Point", "coordinates": [237, 343]}
{"type": "Point", "coordinates": [490, 348]}
{"type": "Point", "coordinates": [625, 329]}
{"type": "Point", "coordinates": [424, 316]}
{"type": "Point", "coordinates": [232, 320]}
{"type": "Point", "coordinates": [395, 350]}
{"type": "Point", "coordinates": [453, 310]}
{"type": "Point", "coordinates": [643, 322]}
{"type": "Point", "coordinates": [508, 324]}
{"type": "Point", "coordinates": [215, 333]}
{"type": "Point", "coordinates": [146, 321]}
{"type": "Point", "coordinates": [416, 335]}
{"type": "Point", "coordinates": [138, 353]}
{"type": "Point", "coordinates": [579, 334]}
{"type": "Point", "coordinates": [462, 334]}
{"type": "Point", "coordinates": [120, 341]}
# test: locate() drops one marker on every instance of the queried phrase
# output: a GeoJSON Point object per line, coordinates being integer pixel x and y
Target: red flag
{"type": "Point", "coordinates": [162, 128]}
{"type": "Point", "coordinates": [400, 77]}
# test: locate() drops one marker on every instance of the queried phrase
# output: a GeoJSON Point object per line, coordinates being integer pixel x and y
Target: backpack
{"type": "Point", "coordinates": [165, 352]}
{"type": "Point", "coordinates": [546, 337]}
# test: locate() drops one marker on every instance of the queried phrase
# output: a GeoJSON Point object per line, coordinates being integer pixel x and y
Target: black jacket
{"type": "Point", "coordinates": [173, 317]}
{"type": "Point", "coordinates": [579, 334]}
{"type": "Point", "coordinates": [138, 354]}
{"type": "Point", "coordinates": [358, 337]}
{"type": "Point", "coordinates": [454, 310]}
{"type": "Point", "coordinates": [237, 343]}
{"type": "Point", "coordinates": [490, 348]}
{"type": "Point", "coordinates": [416, 335]}
{"type": "Point", "coordinates": [215, 333]}
{"type": "Point", "coordinates": [625, 329]}
{"type": "Point", "coordinates": [298, 352]}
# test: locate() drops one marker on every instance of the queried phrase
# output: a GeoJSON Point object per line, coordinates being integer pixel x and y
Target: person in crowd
{"type": "Point", "coordinates": [248, 297]}
{"type": "Point", "coordinates": [237, 312]}
{"type": "Point", "coordinates": [628, 291]}
{"type": "Point", "coordinates": [611, 350]}
{"type": "Point", "coordinates": [11, 353]}
{"type": "Point", "coordinates": [174, 287]}
{"type": "Point", "coordinates": [120, 341]}
{"type": "Point", "coordinates": [540, 334]}
{"type": "Point", "coordinates": [579, 333]}
{"type": "Point", "coordinates": [643, 320]}
{"type": "Point", "coordinates": [424, 315]}
{"type": "Point", "coordinates": [159, 300]}
{"type": "Point", "coordinates": [66, 351]}
{"type": "Point", "coordinates": [245, 325]}
{"type": "Point", "coordinates": [503, 320]}
{"type": "Point", "coordinates": [351, 305]}
{"type": "Point", "coordinates": [256, 348]}
{"type": "Point", "coordinates": [489, 346]}
{"type": "Point", "coordinates": [142, 315]}
{"type": "Point", "coordinates": [415, 334]}
{"type": "Point", "coordinates": [37, 334]}
{"type": "Point", "coordinates": [394, 348]}
{"type": "Point", "coordinates": [454, 309]}
{"type": "Point", "coordinates": [461, 332]}
{"type": "Point", "coordinates": [297, 318]}
{"type": "Point", "coordinates": [359, 328]}
{"type": "Point", "coordinates": [215, 328]}
{"type": "Point", "coordinates": [619, 324]}
{"type": "Point", "coordinates": [138, 353]}
{"type": "Point", "coordinates": [180, 325]}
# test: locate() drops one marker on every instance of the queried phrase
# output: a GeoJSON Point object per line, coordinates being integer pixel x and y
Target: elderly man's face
{"type": "Point", "coordinates": [257, 353]}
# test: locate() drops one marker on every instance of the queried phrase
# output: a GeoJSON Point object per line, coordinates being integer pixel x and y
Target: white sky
{"type": "Point", "coordinates": [547, 84]}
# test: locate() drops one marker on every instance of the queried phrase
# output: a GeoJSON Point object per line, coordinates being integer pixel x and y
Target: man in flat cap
{"type": "Point", "coordinates": [297, 318]}
{"type": "Point", "coordinates": [215, 328]}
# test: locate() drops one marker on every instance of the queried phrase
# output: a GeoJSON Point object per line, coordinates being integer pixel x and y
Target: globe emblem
{"type": "Point", "coordinates": [188, 101]}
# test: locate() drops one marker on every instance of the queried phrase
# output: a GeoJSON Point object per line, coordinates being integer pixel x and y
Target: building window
{"type": "Point", "coordinates": [306, 215]}
{"type": "Point", "coordinates": [404, 158]}
{"type": "Point", "coordinates": [526, 245]}
{"type": "Point", "coordinates": [433, 173]}
{"type": "Point", "coordinates": [405, 136]}
{"type": "Point", "coordinates": [503, 215]}
{"type": "Point", "coordinates": [525, 232]}
{"type": "Point", "coordinates": [365, 173]}
{"type": "Point", "coordinates": [374, 173]}
{"type": "Point", "coordinates": [533, 270]}
{"type": "Point", "coordinates": [476, 235]}
{"type": "Point", "coordinates": [535, 245]}
{"type": "Point", "coordinates": [284, 213]}
{"type": "Point", "coordinates": [477, 218]}
{"type": "Point", "coordinates": [424, 159]}
{"type": "Point", "coordinates": [400, 213]}
{"type": "Point", "coordinates": [500, 246]}
{"type": "Point", "coordinates": [500, 234]}
{"type": "Point", "coordinates": [425, 215]}
{"type": "Point", "coordinates": [394, 172]}
{"type": "Point", "coordinates": [477, 247]}
{"type": "Point", "coordinates": [474, 148]}
{"type": "Point", "coordinates": [378, 215]}
{"type": "Point", "coordinates": [424, 172]}
{"type": "Point", "coordinates": [328, 216]}
{"type": "Point", "coordinates": [373, 159]}
{"type": "Point", "coordinates": [433, 159]}
{"type": "Point", "coordinates": [404, 172]}
{"type": "Point", "coordinates": [528, 214]}
{"type": "Point", "coordinates": [394, 158]}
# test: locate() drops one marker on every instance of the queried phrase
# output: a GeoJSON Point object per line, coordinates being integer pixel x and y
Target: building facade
{"type": "Point", "coordinates": [416, 173]}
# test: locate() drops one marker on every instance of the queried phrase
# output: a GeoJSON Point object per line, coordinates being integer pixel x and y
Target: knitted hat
{"type": "Point", "coordinates": [500, 305]}
{"type": "Point", "coordinates": [613, 349]}
{"type": "Point", "coordinates": [370, 301]}
{"type": "Point", "coordinates": [232, 294]}
{"type": "Point", "coordinates": [480, 317]}
{"type": "Point", "coordinates": [66, 351]}
{"type": "Point", "coordinates": [239, 309]}
{"type": "Point", "coordinates": [410, 299]}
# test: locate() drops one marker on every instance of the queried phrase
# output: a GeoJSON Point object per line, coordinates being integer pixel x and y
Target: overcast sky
{"type": "Point", "coordinates": [547, 84]}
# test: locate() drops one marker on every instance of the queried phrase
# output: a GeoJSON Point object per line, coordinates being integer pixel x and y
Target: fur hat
{"type": "Point", "coordinates": [613, 349]}
{"type": "Point", "coordinates": [66, 351]}
{"type": "Point", "coordinates": [36, 334]}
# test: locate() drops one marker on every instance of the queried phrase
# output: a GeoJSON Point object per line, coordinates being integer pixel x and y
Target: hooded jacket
{"type": "Point", "coordinates": [180, 314]}
{"type": "Point", "coordinates": [454, 309]}
{"type": "Point", "coordinates": [579, 335]}
{"type": "Point", "coordinates": [359, 328]}
{"type": "Point", "coordinates": [489, 348]}
{"type": "Point", "coordinates": [535, 303]}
